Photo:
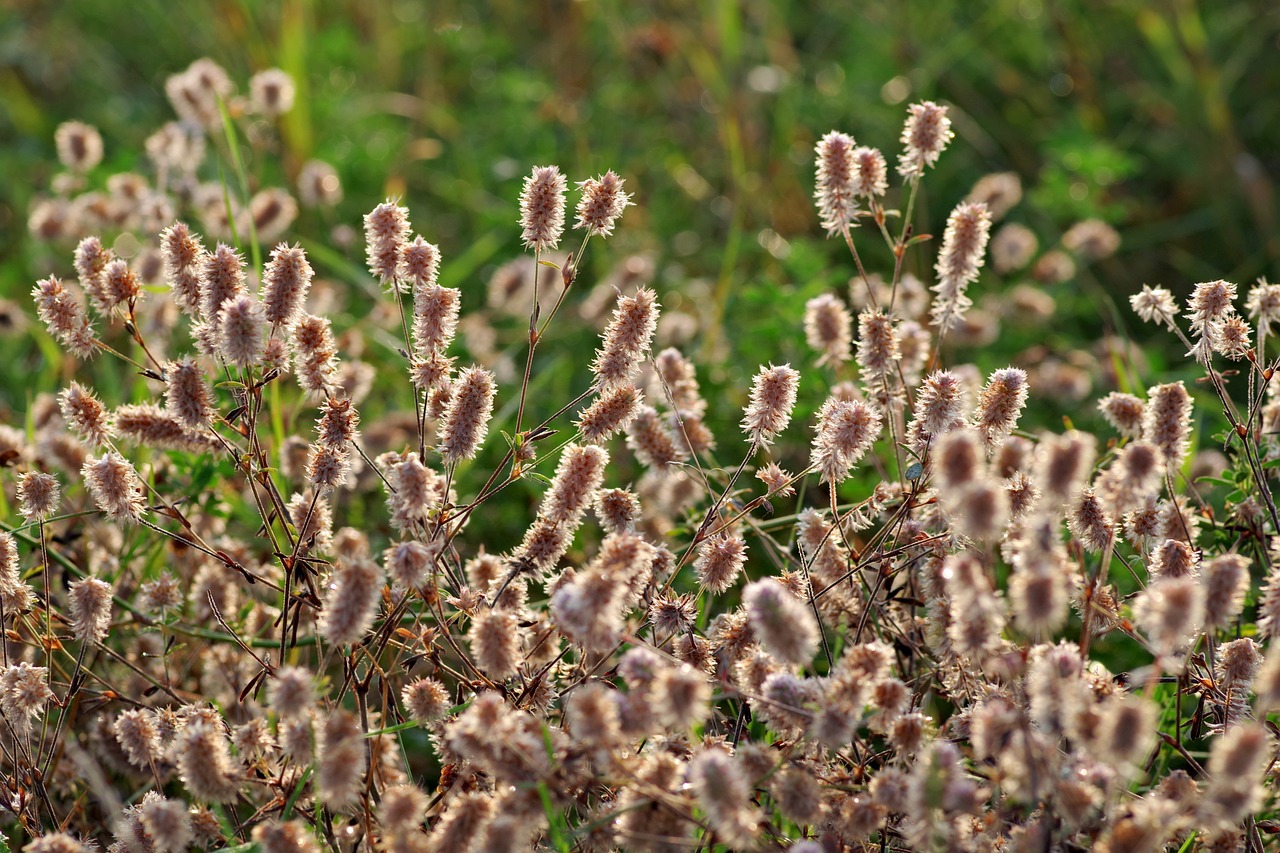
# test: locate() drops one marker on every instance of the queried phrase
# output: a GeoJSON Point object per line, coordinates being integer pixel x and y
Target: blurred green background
{"type": "Point", "coordinates": [1159, 118]}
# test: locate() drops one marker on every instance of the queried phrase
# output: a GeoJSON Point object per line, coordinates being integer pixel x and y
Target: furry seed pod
{"type": "Point", "coordinates": [115, 486]}
{"type": "Point", "coordinates": [466, 420]}
{"type": "Point", "coordinates": [271, 92]}
{"type": "Point", "coordinates": [578, 476]}
{"type": "Point", "coordinates": [187, 395]}
{"type": "Point", "coordinates": [609, 413]}
{"type": "Point", "coordinates": [835, 189]}
{"type": "Point", "coordinates": [85, 415]}
{"type": "Point", "coordinates": [285, 284]}
{"type": "Point", "coordinates": [288, 836]}
{"type": "Point", "coordinates": [719, 562]}
{"type": "Point", "coordinates": [315, 355]}
{"type": "Point", "coordinates": [828, 329]}
{"type": "Point", "coordinates": [938, 409]}
{"type": "Point", "coordinates": [878, 351]}
{"type": "Point", "coordinates": [495, 640]}
{"type": "Point", "coordinates": [58, 842]}
{"type": "Point", "coordinates": [846, 430]}
{"type": "Point", "coordinates": [167, 822]}
{"type": "Point", "coordinates": [352, 603]}
{"type": "Point", "coordinates": [1155, 305]}
{"type": "Point", "coordinates": [426, 700]}
{"type": "Point", "coordinates": [204, 762]}
{"type": "Point", "coordinates": [221, 279]}
{"type": "Point", "coordinates": [1000, 404]}
{"type": "Point", "coordinates": [242, 331]}
{"type": "Point", "coordinates": [24, 691]}
{"type": "Point", "coordinates": [870, 173]}
{"type": "Point", "coordinates": [724, 794]}
{"type": "Point", "coordinates": [651, 441]}
{"type": "Point", "coordinates": [626, 340]}
{"type": "Point", "coordinates": [925, 135]}
{"type": "Point", "coordinates": [963, 245]}
{"type": "Point", "coordinates": [386, 231]}
{"type": "Point", "coordinates": [780, 621]}
{"type": "Point", "coordinates": [1166, 423]}
{"type": "Point", "coordinates": [1063, 463]}
{"type": "Point", "coordinates": [1170, 611]}
{"type": "Point", "coordinates": [1090, 523]}
{"type": "Point", "coordinates": [64, 315]}
{"type": "Point", "coordinates": [340, 760]}
{"type": "Point", "coordinates": [773, 396]}
{"type": "Point", "coordinates": [602, 203]}
{"type": "Point", "coordinates": [38, 495]}
{"type": "Point", "coordinates": [90, 606]}
{"type": "Point", "coordinates": [1226, 582]}
{"type": "Point", "coordinates": [79, 145]}
{"type": "Point", "coordinates": [542, 208]}
{"type": "Point", "coordinates": [319, 184]}
{"type": "Point", "coordinates": [464, 820]}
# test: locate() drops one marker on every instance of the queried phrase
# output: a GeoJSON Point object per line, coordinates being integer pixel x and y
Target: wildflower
{"type": "Point", "coordinates": [1012, 247]}
{"type": "Point", "coordinates": [495, 641]}
{"type": "Point", "coordinates": [1166, 423]}
{"type": "Point", "coordinates": [435, 317]}
{"type": "Point", "coordinates": [1000, 404]}
{"type": "Point", "coordinates": [999, 191]}
{"type": "Point", "coordinates": [652, 443]}
{"type": "Point", "coordinates": [617, 509]}
{"type": "Point", "coordinates": [286, 836]}
{"type": "Point", "coordinates": [319, 184]}
{"type": "Point", "coordinates": [1170, 610]}
{"type": "Point", "coordinates": [1263, 306]}
{"type": "Point", "coordinates": [271, 92]}
{"type": "Point", "coordinates": [725, 795]}
{"type": "Point", "coordinates": [1155, 305]}
{"type": "Point", "coordinates": [466, 420]}
{"type": "Point", "coordinates": [828, 329]}
{"type": "Point", "coordinates": [542, 208]}
{"type": "Point", "coordinates": [286, 280]}
{"type": "Point", "coordinates": [1090, 522]}
{"type": "Point", "coordinates": [773, 395]}
{"type": "Point", "coordinates": [609, 413]}
{"type": "Point", "coordinates": [719, 562]}
{"type": "Point", "coordinates": [221, 280]}
{"type": "Point", "coordinates": [86, 415]}
{"type": "Point", "coordinates": [426, 700]}
{"type": "Point", "coordinates": [386, 231]}
{"type": "Point", "coordinates": [1063, 463]}
{"type": "Point", "coordinates": [115, 486]}
{"type": "Point", "coordinates": [315, 355]}
{"type": "Point", "coordinates": [836, 190]}
{"type": "Point", "coordinates": [1124, 412]}
{"type": "Point", "coordinates": [1226, 582]}
{"type": "Point", "coordinates": [602, 203]}
{"type": "Point", "coordinates": [188, 398]}
{"type": "Point", "coordinates": [1091, 239]}
{"type": "Point", "coordinates": [780, 621]}
{"type": "Point", "coordinates": [290, 693]}
{"type": "Point", "coordinates": [204, 762]}
{"type": "Point", "coordinates": [65, 317]}
{"type": "Point", "coordinates": [963, 244]}
{"type": "Point", "coordinates": [79, 145]}
{"type": "Point", "coordinates": [870, 174]}
{"type": "Point", "coordinates": [846, 430]}
{"type": "Point", "coordinates": [924, 137]}
{"type": "Point", "coordinates": [1230, 338]}
{"type": "Point", "coordinates": [353, 601]}
{"type": "Point", "coordinates": [182, 255]}
{"type": "Point", "coordinates": [167, 822]}
{"type": "Point", "coordinates": [340, 760]}
{"type": "Point", "coordinates": [24, 690]}
{"type": "Point", "coordinates": [627, 339]}
{"type": "Point", "coordinates": [38, 495]}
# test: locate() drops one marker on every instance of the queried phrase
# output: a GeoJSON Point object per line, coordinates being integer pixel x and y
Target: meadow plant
{"type": "Point", "coordinates": [879, 618]}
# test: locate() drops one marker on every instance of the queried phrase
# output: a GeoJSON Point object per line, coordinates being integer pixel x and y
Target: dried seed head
{"type": "Point", "coordinates": [354, 594]}
{"type": "Point", "coordinates": [828, 329]}
{"type": "Point", "coordinates": [780, 621]}
{"type": "Point", "coordinates": [836, 189]}
{"type": "Point", "coordinates": [167, 822]}
{"type": "Point", "coordinates": [319, 184]}
{"type": "Point", "coordinates": [609, 413]}
{"type": "Point", "coordinates": [542, 208]}
{"type": "Point", "coordinates": [288, 836]}
{"type": "Point", "coordinates": [408, 563]}
{"type": "Point", "coordinates": [221, 279]}
{"type": "Point", "coordinates": [1012, 247]}
{"type": "Point", "coordinates": [58, 842]}
{"type": "Point", "coordinates": [340, 760]}
{"type": "Point", "coordinates": [24, 690]}
{"type": "Point", "coordinates": [187, 395]}
{"type": "Point", "coordinates": [627, 339]}
{"type": "Point", "coordinates": [495, 639]}
{"type": "Point", "coordinates": [426, 700]}
{"type": "Point", "coordinates": [963, 245]}
{"type": "Point", "coordinates": [242, 331]}
{"type": "Point", "coordinates": [85, 415]}
{"type": "Point", "coordinates": [773, 396]}
{"type": "Point", "coordinates": [1170, 611]}
{"type": "Point", "coordinates": [878, 352]}
{"type": "Point", "coordinates": [89, 600]}
{"type": "Point", "coordinates": [938, 409]}
{"type": "Point", "coordinates": [719, 562]}
{"type": "Point", "coordinates": [386, 231]}
{"type": "Point", "coordinates": [1000, 404]}
{"type": "Point", "coordinates": [924, 137]}
{"type": "Point", "coordinates": [1090, 522]}
{"type": "Point", "coordinates": [1124, 412]}
{"type": "Point", "coordinates": [724, 793]}
{"type": "Point", "coordinates": [1226, 582]}
{"type": "Point", "coordinates": [870, 173]}
{"type": "Point", "coordinates": [64, 315]}
{"type": "Point", "coordinates": [38, 495]}
{"type": "Point", "coordinates": [602, 203]}
{"type": "Point", "coordinates": [315, 355]}
{"type": "Point", "coordinates": [271, 92]}
{"type": "Point", "coordinates": [651, 441]}
{"type": "Point", "coordinates": [1155, 305]}
{"type": "Point", "coordinates": [115, 486]}
{"type": "Point", "coordinates": [846, 430]}
{"type": "Point", "coordinates": [1230, 338]}
{"type": "Point", "coordinates": [776, 480]}
{"type": "Point", "coordinates": [617, 509]}
{"type": "Point", "coordinates": [1263, 305]}
{"type": "Point", "coordinates": [578, 476]}
{"type": "Point", "coordinates": [291, 693]}
{"type": "Point", "coordinates": [120, 285]}
{"type": "Point", "coordinates": [958, 458]}
{"type": "Point", "coordinates": [286, 280]}
{"type": "Point", "coordinates": [1167, 422]}
{"type": "Point", "coordinates": [328, 466]}
{"type": "Point", "coordinates": [466, 419]}
{"type": "Point", "coordinates": [79, 145]}
{"type": "Point", "coordinates": [435, 308]}
{"type": "Point", "coordinates": [204, 761]}
{"type": "Point", "coordinates": [1063, 463]}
